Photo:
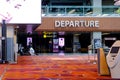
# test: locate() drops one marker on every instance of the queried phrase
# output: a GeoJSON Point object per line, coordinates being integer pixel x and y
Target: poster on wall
{"type": "Point", "coordinates": [55, 45]}
{"type": "Point", "coordinates": [61, 42]}
{"type": "Point", "coordinates": [20, 11]}
{"type": "Point", "coordinates": [29, 41]}
{"type": "Point", "coordinates": [97, 43]}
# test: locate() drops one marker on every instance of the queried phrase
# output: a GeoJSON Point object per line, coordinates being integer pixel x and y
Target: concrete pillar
{"type": "Point", "coordinates": [15, 48]}
{"type": "Point", "coordinates": [10, 43]}
{"type": "Point", "coordinates": [0, 43]}
{"type": "Point", "coordinates": [96, 43]}
{"type": "Point", "coordinates": [10, 31]}
{"type": "Point", "coordinates": [96, 40]}
{"type": "Point", "coordinates": [11, 40]}
{"type": "Point", "coordinates": [97, 7]}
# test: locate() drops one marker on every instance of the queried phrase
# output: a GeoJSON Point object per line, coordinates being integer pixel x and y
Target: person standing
{"type": "Point", "coordinates": [50, 46]}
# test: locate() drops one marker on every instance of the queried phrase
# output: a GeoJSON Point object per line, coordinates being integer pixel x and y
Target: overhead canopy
{"type": "Point", "coordinates": [79, 24]}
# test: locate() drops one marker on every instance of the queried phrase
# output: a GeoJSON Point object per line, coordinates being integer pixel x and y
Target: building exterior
{"type": "Point", "coordinates": [97, 19]}
{"type": "Point", "coordinates": [79, 26]}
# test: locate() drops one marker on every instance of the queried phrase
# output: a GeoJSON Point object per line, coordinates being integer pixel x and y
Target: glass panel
{"type": "Point", "coordinates": [80, 11]}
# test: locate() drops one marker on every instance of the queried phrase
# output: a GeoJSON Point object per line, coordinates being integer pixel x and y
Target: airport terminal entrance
{"type": "Point", "coordinates": [55, 42]}
{"type": "Point", "coordinates": [80, 35]}
{"type": "Point", "coordinates": [66, 42]}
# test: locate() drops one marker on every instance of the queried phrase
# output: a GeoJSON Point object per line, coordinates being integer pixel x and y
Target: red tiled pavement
{"type": "Point", "coordinates": [51, 67]}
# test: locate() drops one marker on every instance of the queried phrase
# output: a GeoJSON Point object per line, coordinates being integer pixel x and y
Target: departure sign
{"type": "Point", "coordinates": [76, 23]}
{"type": "Point", "coordinates": [20, 11]}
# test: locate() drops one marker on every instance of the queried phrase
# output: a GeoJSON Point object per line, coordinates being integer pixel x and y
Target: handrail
{"type": "Point", "coordinates": [80, 11]}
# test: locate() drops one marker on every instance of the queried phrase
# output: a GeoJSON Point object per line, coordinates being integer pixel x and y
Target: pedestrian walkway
{"type": "Point", "coordinates": [52, 67]}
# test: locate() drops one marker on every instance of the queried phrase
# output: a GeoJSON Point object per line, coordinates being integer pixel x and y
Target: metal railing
{"type": "Point", "coordinates": [80, 11]}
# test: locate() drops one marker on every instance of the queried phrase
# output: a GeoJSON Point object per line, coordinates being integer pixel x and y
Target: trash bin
{"type": "Point", "coordinates": [102, 63]}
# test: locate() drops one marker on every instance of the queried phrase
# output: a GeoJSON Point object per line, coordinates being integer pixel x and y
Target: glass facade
{"type": "Point", "coordinates": [68, 8]}
{"type": "Point", "coordinates": [79, 8]}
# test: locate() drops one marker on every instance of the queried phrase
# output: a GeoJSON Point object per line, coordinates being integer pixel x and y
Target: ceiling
{"type": "Point", "coordinates": [22, 28]}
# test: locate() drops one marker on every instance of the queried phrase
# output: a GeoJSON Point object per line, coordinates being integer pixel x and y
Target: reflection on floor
{"type": "Point", "coordinates": [52, 67]}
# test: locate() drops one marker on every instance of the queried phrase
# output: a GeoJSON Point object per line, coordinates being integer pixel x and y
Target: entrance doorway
{"type": "Point", "coordinates": [49, 42]}
{"type": "Point", "coordinates": [85, 41]}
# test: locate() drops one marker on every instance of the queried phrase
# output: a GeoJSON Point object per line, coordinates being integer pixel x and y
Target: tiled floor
{"type": "Point", "coordinates": [52, 67]}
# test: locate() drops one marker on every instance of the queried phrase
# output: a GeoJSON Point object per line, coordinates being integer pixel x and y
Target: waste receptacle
{"type": "Point", "coordinates": [102, 63]}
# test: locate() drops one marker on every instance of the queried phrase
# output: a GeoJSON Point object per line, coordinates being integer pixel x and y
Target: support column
{"type": "Point", "coordinates": [10, 44]}
{"type": "Point", "coordinates": [4, 44]}
{"type": "Point", "coordinates": [96, 40]}
{"type": "Point", "coordinates": [15, 46]}
{"type": "Point", "coordinates": [97, 7]}
{"type": "Point", "coordinates": [96, 43]}
{"type": "Point", "coordinates": [0, 44]}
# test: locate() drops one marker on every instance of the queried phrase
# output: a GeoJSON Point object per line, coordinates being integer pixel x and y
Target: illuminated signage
{"type": "Point", "coordinates": [76, 23]}
{"type": "Point", "coordinates": [61, 42]}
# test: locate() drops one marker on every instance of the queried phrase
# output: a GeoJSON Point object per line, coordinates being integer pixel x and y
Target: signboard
{"type": "Point", "coordinates": [20, 11]}
{"type": "Point", "coordinates": [97, 43]}
{"type": "Point", "coordinates": [61, 42]}
{"type": "Point", "coordinates": [76, 23]}
{"type": "Point", "coordinates": [55, 45]}
{"type": "Point", "coordinates": [110, 38]}
{"type": "Point", "coordinates": [29, 41]}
